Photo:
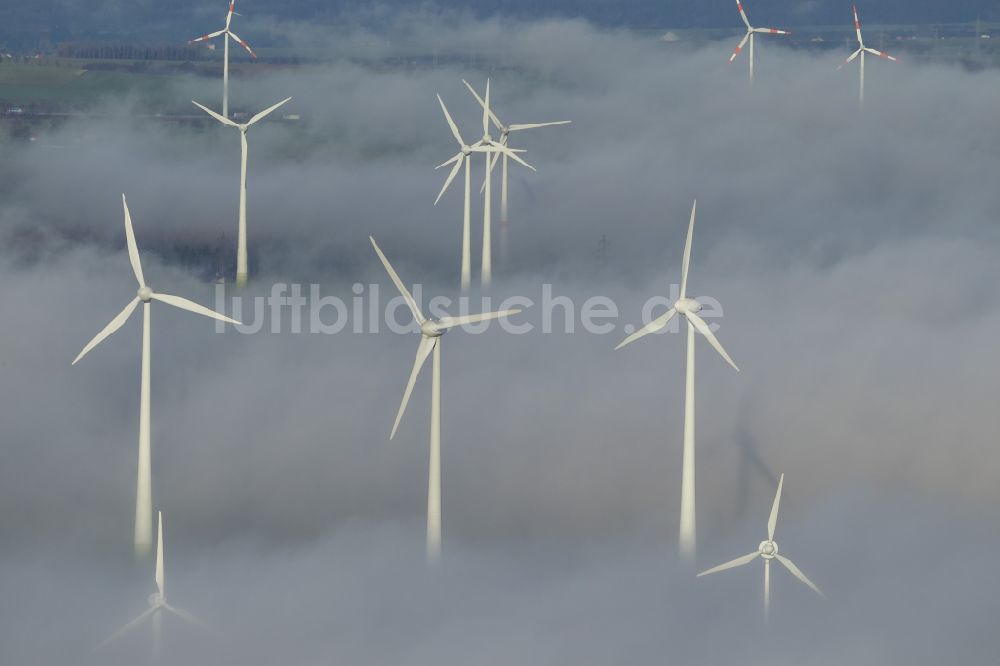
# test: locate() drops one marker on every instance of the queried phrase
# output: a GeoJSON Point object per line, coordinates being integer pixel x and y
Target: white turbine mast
{"type": "Point", "coordinates": [241, 236]}
{"type": "Point", "coordinates": [143, 497]}
{"type": "Point", "coordinates": [431, 331]}
{"type": "Point", "coordinates": [749, 37]}
{"type": "Point", "coordinates": [157, 605]}
{"type": "Point", "coordinates": [505, 131]}
{"type": "Point", "coordinates": [228, 34]}
{"type": "Point", "coordinates": [767, 551]}
{"type": "Point", "coordinates": [862, 50]}
{"type": "Point", "coordinates": [493, 146]}
{"type": "Point", "coordinates": [464, 156]}
{"type": "Point", "coordinates": [687, 308]}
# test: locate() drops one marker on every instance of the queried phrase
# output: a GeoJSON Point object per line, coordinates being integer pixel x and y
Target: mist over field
{"type": "Point", "coordinates": [854, 257]}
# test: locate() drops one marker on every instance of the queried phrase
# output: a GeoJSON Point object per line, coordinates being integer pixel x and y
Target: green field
{"type": "Point", "coordinates": [65, 84]}
{"type": "Point", "coordinates": [60, 84]}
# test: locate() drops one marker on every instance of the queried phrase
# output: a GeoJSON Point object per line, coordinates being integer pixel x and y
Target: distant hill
{"type": "Point", "coordinates": [28, 24]}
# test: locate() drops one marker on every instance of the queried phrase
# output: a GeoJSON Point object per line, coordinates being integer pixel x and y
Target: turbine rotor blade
{"type": "Point", "coordinates": [495, 157]}
{"type": "Point", "coordinates": [218, 116]}
{"type": "Point", "coordinates": [511, 154]}
{"type": "Point", "coordinates": [159, 553]}
{"type": "Point", "coordinates": [451, 123]}
{"type": "Point", "coordinates": [187, 617]}
{"type": "Point", "coordinates": [743, 14]}
{"type": "Point", "coordinates": [239, 41]}
{"type": "Point", "coordinates": [857, 25]}
{"type": "Point", "coordinates": [732, 564]}
{"type": "Point", "coordinates": [113, 326]}
{"type": "Point", "coordinates": [424, 350]}
{"type": "Point", "coordinates": [850, 59]}
{"type": "Point", "coordinates": [482, 103]}
{"type": "Point", "coordinates": [686, 262]}
{"type": "Point", "coordinates": [703, 328]}
{"type": "Point", "coordinates": [739, 47]}
{"type": "Point", "coordinates": [399, 284]}
{"type": "Point", "coordinates": [451, 176]}
{"type": "Point", "coordinates": [486, 110]}
{"type": "Point", "coordinates": [269, 110]}
{"type": "Point", "coordinates": [525, 126]}
{"type": "Point", "coordinates": [191, 306]}
{"type": "Point", "coordinates": [651, 327]}
{"type": "Point", "coordinates": [772, 521]}
{"type": "Point", "coordinates": [211, 35]}
{"type": "Point", "coordinates": [462, 320]}
{"type": "Point", "coordinates": [450, 160]}
{"type": "Point", "coordinates": [133, 249]}
{"type": "Point", "coordinates": [798, 573]}
{"type": "Point", "coordinates": [128, 627]}
{"type": "Point", "coordinates": [881, 54]}
{"type": "Point", "coordinates": [772, 31]}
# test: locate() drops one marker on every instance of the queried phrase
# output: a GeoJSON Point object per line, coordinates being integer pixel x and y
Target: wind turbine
{"type": "Point", "coordinates": [143, 495]}
{"type": "Point", "coordinates": [241, 240]}
{"type": "Point", "coordinates": [505, 131]}
{"type": "Point", "coordinates": [862, 50]}
{"type": "Point", "coordinates": [488, 142]}
{"type": "Point", "coordinates": [464, 156]}
{"type": "Point", "coordinates": [767, 550]}
{"type": "Point", "coordinates": [229, 34]}
{"type": "Point", "coordinates": [431, 331]}
{"type": "Point", "coordinates": [749, 36]}
{"type": "Point", "coordinates": [157, 604]}
{"type": "Point", "coordinates": [688, 308]}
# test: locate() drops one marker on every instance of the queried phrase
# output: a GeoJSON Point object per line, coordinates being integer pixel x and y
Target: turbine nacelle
{"type": "Point", "coordinates": [687, 305]}
{"type": "Point", "coordinates": [468, 150]}
{"type": "Point", "coordinates": [768, 549]}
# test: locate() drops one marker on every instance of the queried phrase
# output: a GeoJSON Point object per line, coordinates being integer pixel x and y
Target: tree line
{"type": "Point", "coordinates": [122, 51]}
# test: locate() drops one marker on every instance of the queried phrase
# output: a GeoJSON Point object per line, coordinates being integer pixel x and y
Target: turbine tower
{"type": "Point", "coordinates": [431, 331]}
{"type": "Point", "coordinates": [687, 308]}
{"type": "Point", "coordinates": [493, 146]}
{"type": "Point", "coordinates": [862, 50]}
{"type": "Point", "coordinates": [767, 551]}
{"type": "Point", "coordinates": [229, 34]}
{"type": "Point", "coordinates": [464, 156]}
{"type": "Point", "coordinates": [241, 238]}
{"type": "Point", "coordinates": [749, 36]}
{"type": "Point", "coordinates": [157, 604]}
{"type": "Point", "coordinates": [505, 131]}
{"type": "Point", "coordinates": [143, 496]}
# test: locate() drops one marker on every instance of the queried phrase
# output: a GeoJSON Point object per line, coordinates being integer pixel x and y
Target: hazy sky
{"type": "Point", "coordinates": [53, 21]}
{"type": "Point", "coordinates": [854, 256]}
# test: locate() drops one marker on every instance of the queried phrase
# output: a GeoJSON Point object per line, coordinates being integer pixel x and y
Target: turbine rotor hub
{"type": "Point", "coordinates": [686, 305]}
{"type": "Point", "coordinates": [768, 549]}
{"type": "Point", "coordinates": [145, 294]}
{"type": "Point", "coordinates": [431, 329]}
{"type": "Point", "coordinates": [155, 599]}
